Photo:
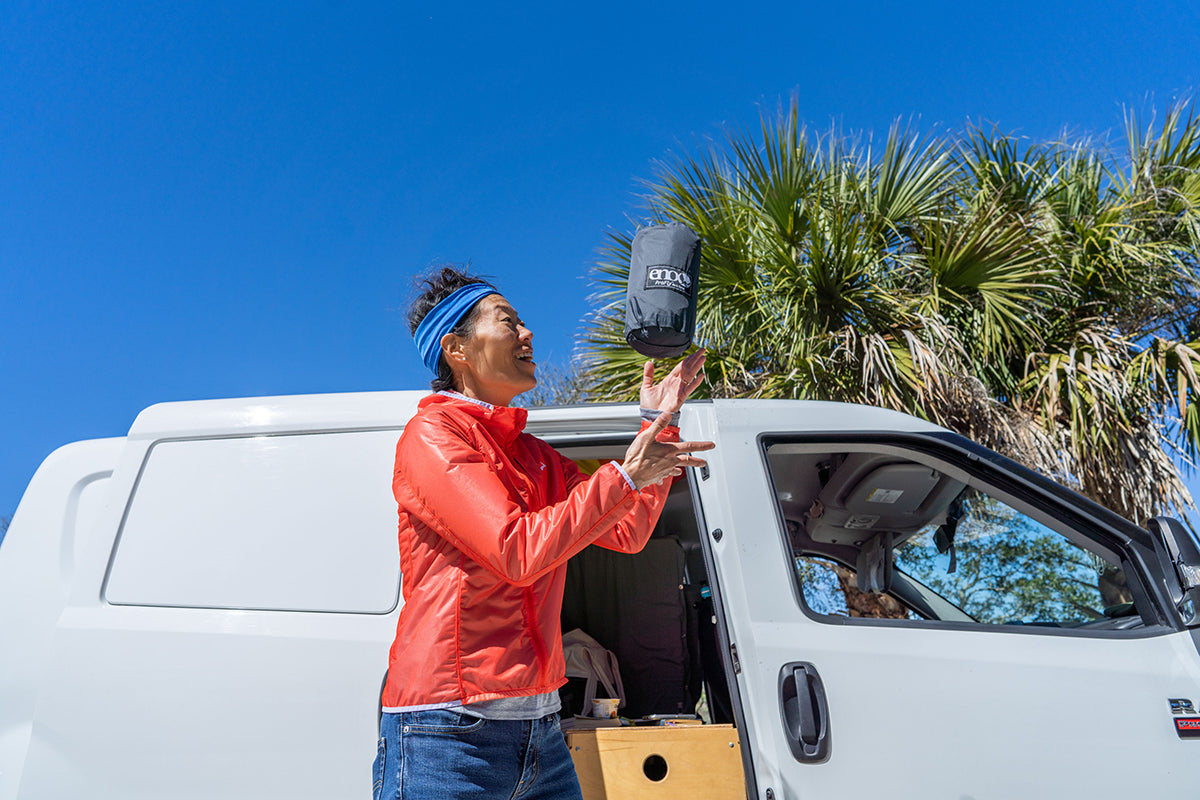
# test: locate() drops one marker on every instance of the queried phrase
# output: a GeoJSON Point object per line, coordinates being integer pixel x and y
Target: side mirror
{"type": "Point", "coordinates": [1181, 554]}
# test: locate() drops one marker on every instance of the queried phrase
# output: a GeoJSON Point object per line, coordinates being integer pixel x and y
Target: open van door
{"type": "Point", "coordinates": [909, 615]}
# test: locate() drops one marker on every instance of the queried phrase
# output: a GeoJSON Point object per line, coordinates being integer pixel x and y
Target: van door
{"type": "Point", "coordinates": [910, 616]}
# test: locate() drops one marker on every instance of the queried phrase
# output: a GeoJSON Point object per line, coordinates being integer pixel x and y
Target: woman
{"type": "Point", "coordinates": [489, 516]}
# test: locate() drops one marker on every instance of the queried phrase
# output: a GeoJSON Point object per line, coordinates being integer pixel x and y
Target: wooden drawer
{"type": "Point", "coordinates": [697, 762]}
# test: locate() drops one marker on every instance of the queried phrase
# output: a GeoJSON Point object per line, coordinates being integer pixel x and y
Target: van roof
{"type": "Point", "coordinates": [294, 413]}
{"type": "Point", "coordinates": [250, 416]}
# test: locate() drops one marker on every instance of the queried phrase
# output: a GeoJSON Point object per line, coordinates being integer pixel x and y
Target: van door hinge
{"type": "Point", "coordinates": [737, 665]}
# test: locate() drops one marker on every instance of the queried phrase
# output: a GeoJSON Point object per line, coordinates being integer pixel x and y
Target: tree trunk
{"type": "Point", "coordinates": [865, 604]}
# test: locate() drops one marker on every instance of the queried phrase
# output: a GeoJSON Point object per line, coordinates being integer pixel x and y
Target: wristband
{"type": "Point", "coordinates": [625, 475]}
{"type": "Point", "coordinates": [651, 414]}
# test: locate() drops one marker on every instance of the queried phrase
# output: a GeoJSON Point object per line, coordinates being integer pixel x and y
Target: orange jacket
{"type": "Point", "coordinates": [489, 516]}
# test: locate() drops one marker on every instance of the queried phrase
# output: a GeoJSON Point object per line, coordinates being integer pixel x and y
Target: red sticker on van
{"type": "Point", "coordinates": [1188, 727]}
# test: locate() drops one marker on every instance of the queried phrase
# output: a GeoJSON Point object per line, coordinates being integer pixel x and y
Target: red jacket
{"type": "Point", "coordinates": [489, 516]}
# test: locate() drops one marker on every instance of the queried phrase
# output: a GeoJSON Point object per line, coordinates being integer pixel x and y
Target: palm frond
{"type": "Point", "coordinates": [989, 263]}
{"type": "Point", "coordinates": [1038, 297]}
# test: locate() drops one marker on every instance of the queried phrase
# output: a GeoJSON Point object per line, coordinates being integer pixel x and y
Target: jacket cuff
{"type": "Point", "coordinates": [625, 475]}
{"type": "Point", "coordinates": [651, 414]}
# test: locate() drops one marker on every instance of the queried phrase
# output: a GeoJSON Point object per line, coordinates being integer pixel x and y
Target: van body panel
{"type": "Point", "coordinates": [208, 702]}
{"type": "Point", "coordinates": [266, 415]}
{"type": "Point", "coordinates": [276, 522]}
{"type": "Point", "coordinates": [203, 609]}
{"type": "Point", "coordinates": [154, 652]}
{"type": "Point", "coordinates": [39, 563]}
{"type": "Point", "coordinates": [927, 710]}
{"type": "Point", "coordinates": [134, 688]}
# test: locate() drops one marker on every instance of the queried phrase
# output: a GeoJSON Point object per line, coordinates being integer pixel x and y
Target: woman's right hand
{"type": "Point", "coordinates": [649, 461]}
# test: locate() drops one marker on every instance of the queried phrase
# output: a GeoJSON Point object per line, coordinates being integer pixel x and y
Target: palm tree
{"type": "Point", "coordinates": [1040, 298]}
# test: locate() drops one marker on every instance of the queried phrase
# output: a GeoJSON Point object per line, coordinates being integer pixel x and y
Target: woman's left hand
{"type": "Point", "coordinates": [675, 388]}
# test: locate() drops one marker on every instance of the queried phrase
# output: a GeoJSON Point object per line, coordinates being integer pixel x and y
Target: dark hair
{"type": "Point", "coordinates": [434, 289]}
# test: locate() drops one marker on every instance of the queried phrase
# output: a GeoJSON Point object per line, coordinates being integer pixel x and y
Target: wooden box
{"type": "Point", "coordinates": [697, 762]}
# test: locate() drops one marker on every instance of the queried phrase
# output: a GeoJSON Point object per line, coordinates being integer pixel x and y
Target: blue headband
{"type": "Point", "coordinates": [442, 318]}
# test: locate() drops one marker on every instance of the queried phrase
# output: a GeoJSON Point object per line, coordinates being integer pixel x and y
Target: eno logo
{"type": "Point", "coordinates": [667, 277]}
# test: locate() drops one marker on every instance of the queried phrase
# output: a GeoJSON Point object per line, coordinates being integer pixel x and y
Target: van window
{"type": "Point", "coordinates": [294, 522]}
{"type": "Point", "coordinates": [1010, 569]}
{"type": "Point", "coordinates": [878, 535]}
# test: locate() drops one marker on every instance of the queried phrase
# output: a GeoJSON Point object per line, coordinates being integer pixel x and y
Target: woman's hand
{"type": "Point", "coordinates": [675, 388]}
{"type": "Point", "coordinates": [649, 461]}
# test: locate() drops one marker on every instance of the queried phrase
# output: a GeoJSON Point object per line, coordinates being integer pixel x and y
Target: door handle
{"type": "Point", "coordinates": [805, 712]}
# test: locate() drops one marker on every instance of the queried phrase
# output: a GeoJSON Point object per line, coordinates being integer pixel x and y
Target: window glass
{"type": "Point", "coordinates": [874, 535]}
{"type": "Point", "coordinates": [829, 588]}
{"type": "Point", "coordinates": [1006, 568]}
{"type": "Point", "coordinates": [298, 522]}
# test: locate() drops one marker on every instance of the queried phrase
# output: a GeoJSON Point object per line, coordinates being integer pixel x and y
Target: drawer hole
{"type": "Point", "coordinates": [655, 767]}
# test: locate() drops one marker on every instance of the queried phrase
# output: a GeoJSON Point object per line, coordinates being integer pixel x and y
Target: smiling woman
{"type": "Point", "coordinates": [488, 516]}
{"type": "Point", "coordinates": [473, 339]}
{"type": "Point", "coordinates": [495, 363]}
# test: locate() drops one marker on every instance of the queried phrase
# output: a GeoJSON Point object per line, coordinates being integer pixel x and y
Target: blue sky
{"type": "Point", "coordinates": [209, 199]}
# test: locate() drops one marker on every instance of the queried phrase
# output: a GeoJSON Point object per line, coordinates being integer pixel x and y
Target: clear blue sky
{"type": "Point", "coordinates": [207, 199]}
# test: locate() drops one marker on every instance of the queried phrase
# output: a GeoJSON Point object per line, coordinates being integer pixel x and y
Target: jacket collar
{"type": "Point", "coordinates": [504, 423]}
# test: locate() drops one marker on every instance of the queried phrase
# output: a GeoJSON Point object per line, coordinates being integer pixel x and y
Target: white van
{"type": "Point", "coordinates": [879, 608]}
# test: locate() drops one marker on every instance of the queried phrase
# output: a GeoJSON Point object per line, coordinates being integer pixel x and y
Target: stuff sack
{"type": "Point", "coordinates": [660, 303]}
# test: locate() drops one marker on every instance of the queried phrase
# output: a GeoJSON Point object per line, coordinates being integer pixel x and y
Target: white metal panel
{"type": "Point", "coordinates": [149, 703]}
{"type": "Point", "coordinates": [136, 701]}
{"type": "Point", "coordinates": [37, 564]}
{"type": "Point", "coordinates": [987, 715]}
{"type": "Point", "coordinates": [918, 713]}
{"type": "Point", "coordinates": [781, 416]}
{"type": "Point", "coordinates": [289, 414]}
{"type": "Point", "coordinates": [140, 701]}
{"type": "Point", "coordinates": [349, 411]}
{"type": "Point", "coordinates": [287, 522]}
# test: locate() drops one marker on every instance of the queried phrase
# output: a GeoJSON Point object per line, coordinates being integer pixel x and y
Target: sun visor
{"type": "Point", "coordinates": [660, 303]}
{"type": "Point", "coordinates": [869, 492]}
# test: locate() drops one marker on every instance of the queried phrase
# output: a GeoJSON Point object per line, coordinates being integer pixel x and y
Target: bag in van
{"type": "Point", "coordinates": [587, 659]}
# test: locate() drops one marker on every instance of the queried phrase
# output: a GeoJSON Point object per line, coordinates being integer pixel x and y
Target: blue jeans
{"type": "Point", "coordinates": [448, 755]}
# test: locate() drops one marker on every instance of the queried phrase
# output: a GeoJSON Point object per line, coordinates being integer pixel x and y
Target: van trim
{"type": "Point", "coordinates": [725, 645]}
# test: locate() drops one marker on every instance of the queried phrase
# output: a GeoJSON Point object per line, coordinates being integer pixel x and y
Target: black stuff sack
{"type": "Point", "coordinates": [660, 303]}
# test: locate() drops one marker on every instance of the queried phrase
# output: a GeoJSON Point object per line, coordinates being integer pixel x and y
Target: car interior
{"type": "Point", "coordinates": [880, 515]}
{"type": "Point", "coordinates": [653, 610]}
